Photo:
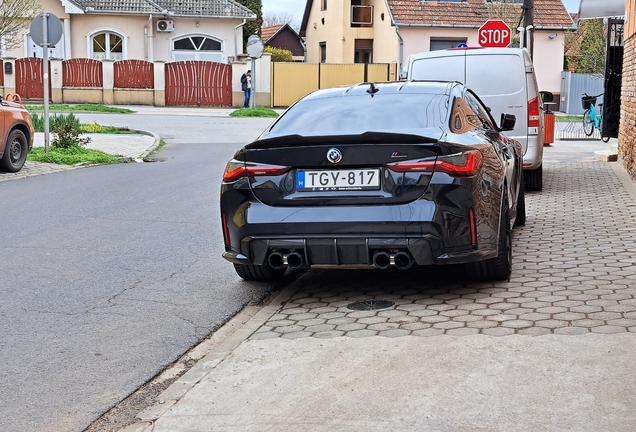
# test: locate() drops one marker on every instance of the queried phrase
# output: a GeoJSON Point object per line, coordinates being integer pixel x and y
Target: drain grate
{"type": "Point", "coordinates": [370, 305]}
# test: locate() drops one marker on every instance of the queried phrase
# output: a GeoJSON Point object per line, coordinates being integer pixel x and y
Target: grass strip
{"type": "Point", "coordinates": [254, 112]}
{"type": "Point", "coordinates": [98, 108]}
{"type": "Point", "coordinates": [71, 156]}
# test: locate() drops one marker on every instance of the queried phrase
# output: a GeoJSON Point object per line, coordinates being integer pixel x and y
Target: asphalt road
{"type": "Point", "coordinates": [109, 274]}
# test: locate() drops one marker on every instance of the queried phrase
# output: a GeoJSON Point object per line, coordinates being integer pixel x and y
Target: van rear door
{"type": "Point", "coordinates": [500, 81]}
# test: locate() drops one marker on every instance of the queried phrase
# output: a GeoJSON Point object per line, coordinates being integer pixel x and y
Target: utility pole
{"type": "Point", "coordinates": [528, 24]}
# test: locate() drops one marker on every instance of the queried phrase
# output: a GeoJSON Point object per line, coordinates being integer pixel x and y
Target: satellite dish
{"type": "Point", "coordinates": [255, 46]}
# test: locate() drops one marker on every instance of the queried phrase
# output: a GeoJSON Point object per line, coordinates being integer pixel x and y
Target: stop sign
{"type": "Point", "coordinates": [494, 34]}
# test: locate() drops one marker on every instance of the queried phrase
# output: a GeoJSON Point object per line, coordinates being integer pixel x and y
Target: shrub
{"type": "Point", "coordinates": [280, 55]}
{"type": "Point", "coordinates": [56, 122]}
{"type": "Point", "coordinates": [68, 136]}
{"type": "Point", "coordinates": [91, 128]}
{"type": "Point", "coordinates": [63, 122]}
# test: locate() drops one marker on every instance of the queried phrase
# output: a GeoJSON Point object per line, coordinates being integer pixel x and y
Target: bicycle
{"type": "Point", "coordinates": [590, 119]}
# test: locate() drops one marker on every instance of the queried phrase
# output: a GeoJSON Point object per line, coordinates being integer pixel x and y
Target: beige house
{"type": "Point", "coordinates": [388, 31]}
{"type": "Point", "coordinates": [153, 30]}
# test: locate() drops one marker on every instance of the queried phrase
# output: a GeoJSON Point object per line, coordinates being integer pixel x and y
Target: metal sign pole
{"type": "Point", "coordinates": [45, 74]}
{"type": "Point", "coordinates": [253, 89]}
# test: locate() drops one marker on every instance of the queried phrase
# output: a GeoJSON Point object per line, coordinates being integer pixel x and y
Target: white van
{"type": "Point", "coordinates": [505, 81]}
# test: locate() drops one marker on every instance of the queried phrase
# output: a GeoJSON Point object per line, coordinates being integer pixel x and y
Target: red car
{"type": "Point", "coordinates": [16, 139]}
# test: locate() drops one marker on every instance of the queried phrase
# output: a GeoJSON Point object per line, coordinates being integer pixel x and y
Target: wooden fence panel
{"type": "Point", "coordinates": [181, 81]}
{"type": "Point", "coordinates": [291, 81]}
{"type": "Point", "coordinates": [216, 84]}
{"type": "Point", "coordinates": [137, 74]}
{"type": "Point", "coordinates": [82, 72]}
{"type": "Point", "coordinates": [29, 81]}
{"type": "Point", "coordinates": [333, 75]}
{"type": "Point", "coordinates": [198, 83]}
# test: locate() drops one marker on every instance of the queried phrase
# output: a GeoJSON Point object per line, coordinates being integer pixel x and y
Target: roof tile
{"type": "Point", "coordinates": [473, 13]}
{"type": "Point", "coordinates": [195, 8]}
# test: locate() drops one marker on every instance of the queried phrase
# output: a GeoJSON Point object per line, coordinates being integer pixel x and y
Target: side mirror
{"type": "Point", "coordinates": [508, 122]}
{"type": "Point", "coordinates": [546, 96]}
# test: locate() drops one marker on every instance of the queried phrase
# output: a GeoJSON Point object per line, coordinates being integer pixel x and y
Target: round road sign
{"type": "Point", "coordinates": [255, 46]}
{"type": "Point", "coordinates": [494, 34]}
{"type": "Point", "coordinates": [54, 29]}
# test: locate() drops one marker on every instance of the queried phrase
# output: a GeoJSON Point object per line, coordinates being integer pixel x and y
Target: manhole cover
{"type": "Point", "coordinates": [370, 305]}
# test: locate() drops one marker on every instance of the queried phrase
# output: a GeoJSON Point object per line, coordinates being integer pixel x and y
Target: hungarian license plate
{"type": "Point", "coordinates": [338, 180]}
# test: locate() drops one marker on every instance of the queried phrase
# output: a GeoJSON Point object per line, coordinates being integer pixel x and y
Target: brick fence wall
{"type": "Point", "coordinates": [627, 133]}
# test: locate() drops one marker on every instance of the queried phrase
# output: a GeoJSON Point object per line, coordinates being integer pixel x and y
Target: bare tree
{"type": "Point", "coordinates": [280, 18]}
{"type": "Point", "coordinates": [16, 16]}
{"type": "Point", "coordinates": [508, 11]}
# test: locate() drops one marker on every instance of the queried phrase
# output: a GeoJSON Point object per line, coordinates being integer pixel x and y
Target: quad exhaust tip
{"type": "Point", "coordinates": [400, 260]}
{"type": "Point", "coordinates": [278, 260]}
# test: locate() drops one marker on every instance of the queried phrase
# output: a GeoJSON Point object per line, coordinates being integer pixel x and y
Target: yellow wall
{"type": "Point", "coordinates": [340, 37]}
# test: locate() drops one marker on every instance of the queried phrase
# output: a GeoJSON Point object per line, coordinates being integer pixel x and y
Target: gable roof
{"type": "Point", "coordinates": [548, 14]}
{"type": "Point", "coordinates": [180, 8]}
{"type": "Point", "coordinates": [269, 32]}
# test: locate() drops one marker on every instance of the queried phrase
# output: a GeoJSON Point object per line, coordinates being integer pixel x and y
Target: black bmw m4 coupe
{"type": "Point", "coordinates": [388, 175]}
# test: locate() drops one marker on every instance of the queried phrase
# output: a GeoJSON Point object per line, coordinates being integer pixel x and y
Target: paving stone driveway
{"type": "Point", "coordinates": [574, 272]}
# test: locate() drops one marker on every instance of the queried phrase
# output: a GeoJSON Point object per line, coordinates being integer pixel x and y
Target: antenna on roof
{"type": "Point", "coordinates": [372, 89]}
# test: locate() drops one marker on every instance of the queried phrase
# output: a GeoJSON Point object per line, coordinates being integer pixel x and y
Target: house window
{"type": "Point", "coordinates": [323, 5]}
{"type": "Point", "coordinates": [446, 43]}
{"type": "Point", "coordinates": [323, 52]}
{"type": "Point", "coordinates": [197, 48]}
{"type": "Point", "coordinates": [107, 45]}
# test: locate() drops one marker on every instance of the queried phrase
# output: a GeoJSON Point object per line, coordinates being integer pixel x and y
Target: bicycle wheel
{"type": "Point", "coordinates": [588, 123]}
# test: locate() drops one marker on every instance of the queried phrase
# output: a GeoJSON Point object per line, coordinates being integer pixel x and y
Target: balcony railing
{"type": "Point", "coordinates": [361, 15]}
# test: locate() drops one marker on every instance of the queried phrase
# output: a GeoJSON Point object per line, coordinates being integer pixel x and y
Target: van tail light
{"type": "Point", "coordinates": [534, 115]}
{"type": "Point", "coordinates": [457, 165]}
{"type": "Point", "coordinates": [235, 170]}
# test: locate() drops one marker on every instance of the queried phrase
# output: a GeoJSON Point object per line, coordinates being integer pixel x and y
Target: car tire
{"type": "Point", "coordinates": [15, 152]}
{"type": "Point", "coordinates": [520, 220]}
{"type": "Point", "coordinates": [500, 267]}
{"type": "Point", "coordinates": [533, 179]}
{"type": "Point", "coordinates": [262, 273]}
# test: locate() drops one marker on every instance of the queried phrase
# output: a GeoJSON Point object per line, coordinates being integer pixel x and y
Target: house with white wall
{"type": "Point", "coordinates": [153, 30]}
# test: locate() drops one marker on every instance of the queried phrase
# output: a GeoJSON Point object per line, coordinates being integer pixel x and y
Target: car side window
{"type": "Point", "coordinates": [466, 117]}
{"type": "Point", "coordinates": [483, 118]}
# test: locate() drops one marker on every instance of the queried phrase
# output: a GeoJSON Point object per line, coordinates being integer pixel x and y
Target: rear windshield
{"type": "Point", "coordinates": [439, 69]}
{"type": "Point", "coordinates": [491, 75]}
{"type": "Point", "coordinates": [363, 113]}
{"type": "Point", "coordinates": [486, 75]}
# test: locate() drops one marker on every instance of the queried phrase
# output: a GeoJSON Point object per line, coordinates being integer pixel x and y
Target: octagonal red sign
{"type": "Point", "coordinates": [494, 34]}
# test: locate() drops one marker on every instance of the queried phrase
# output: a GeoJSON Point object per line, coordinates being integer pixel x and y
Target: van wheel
{"type": "Point", "coordinates": [534, 179]}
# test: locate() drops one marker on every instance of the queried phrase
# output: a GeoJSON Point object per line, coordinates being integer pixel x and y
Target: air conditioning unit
{"type": "Point", "coordinates": [165, 26]}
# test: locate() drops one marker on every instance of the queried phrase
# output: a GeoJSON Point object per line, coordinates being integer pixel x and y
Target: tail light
{"type": "Point", "coordinates": [534, 115]}
{"type": "Point", "coordinates": [226, 231]}
{"type": "Point", "coordinates": [457, 165]}
{"type": "Point", "coordinates": [235, 170]}
{"type": "Point", "coordinates": [473, 227]}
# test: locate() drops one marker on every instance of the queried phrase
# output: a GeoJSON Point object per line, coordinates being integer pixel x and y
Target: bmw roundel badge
{"type": "Point", "coordinates": [334, 155]}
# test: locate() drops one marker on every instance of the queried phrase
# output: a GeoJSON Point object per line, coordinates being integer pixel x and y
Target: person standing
{"type": "Point", "coordinates": [246, 86]}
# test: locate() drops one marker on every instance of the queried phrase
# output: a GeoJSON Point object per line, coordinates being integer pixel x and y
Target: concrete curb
{"type": "Point", "coordinates": [212, 353]}
{"type": "Point", "coordinates": [152, 147]}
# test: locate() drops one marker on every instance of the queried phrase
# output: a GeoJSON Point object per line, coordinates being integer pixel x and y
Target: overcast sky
{"type": "Point", "coordinates": [297, 7]}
